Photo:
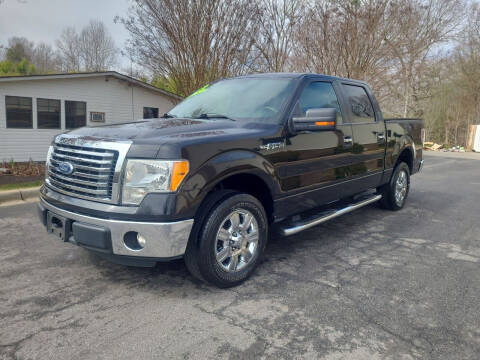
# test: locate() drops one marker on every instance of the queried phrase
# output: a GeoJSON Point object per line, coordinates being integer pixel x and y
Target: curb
{"type": "Point", "coordinates": [19, 195]}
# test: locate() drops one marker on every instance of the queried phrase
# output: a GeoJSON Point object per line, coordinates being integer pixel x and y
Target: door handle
{"type": "Point", "coordinates": [347, 140]}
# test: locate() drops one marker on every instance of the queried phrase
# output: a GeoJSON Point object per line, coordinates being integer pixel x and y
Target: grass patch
{"type": "Point", "coordinates": [21, 185]}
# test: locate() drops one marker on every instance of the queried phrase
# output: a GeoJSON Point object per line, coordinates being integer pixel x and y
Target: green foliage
{"type": "Point", "coordinates": [22, 67]}
{"type": "Point", "coordinates": [17, 52]}
{"type": "Point", "coordinates": [28, 184]}
{"type": "Point", "coordinates": [6, 67]}
{"type": "Point", "coordinates": [165, 83]}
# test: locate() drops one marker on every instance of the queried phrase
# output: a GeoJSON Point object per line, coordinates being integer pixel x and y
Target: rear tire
{"type": "Point", "coordinates": [395, 193]}
{"type": "Point", "coordinates": [231, 240]}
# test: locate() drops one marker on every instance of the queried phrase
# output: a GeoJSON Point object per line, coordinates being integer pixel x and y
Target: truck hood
{"type": "Point", "coordinates": [170, 136]}
{"type": "Point", "coordinates": [148, 129]}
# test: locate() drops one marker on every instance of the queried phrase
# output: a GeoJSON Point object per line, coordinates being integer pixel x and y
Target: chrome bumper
{"type": "Point", "coordinates": [163, 240]}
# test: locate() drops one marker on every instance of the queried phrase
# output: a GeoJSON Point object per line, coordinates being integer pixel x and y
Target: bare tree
{"type": "Point", "coordinates": [91, 50]}
{"type": "Point", "coordinates": [345, 38]}
{"type": "Point", "coordinates": [97, 48]}
{"type": "Point", "coordinates": [461, 83]}
{"type": "Point", "coordinates": [395, 45]}
{"type": "Point", "coordinates": [277, 26]}
{"type": "Point", "coordinates": [192, 42]}
{"type": "Point", "coordinates": [45, 59]}
{"type": "Point", "coordinates": [68, 46]}
{"type": "Point", "coordinates": [421, 25]}
{"type": "Point", "coordinates": [388, 43]}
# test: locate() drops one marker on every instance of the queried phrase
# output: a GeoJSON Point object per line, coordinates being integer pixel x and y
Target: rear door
{"type": "Point", "coordinates": [368, 137]}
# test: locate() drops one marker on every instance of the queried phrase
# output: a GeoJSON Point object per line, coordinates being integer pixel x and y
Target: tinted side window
{"type": "Point", "coordinates": [360, 106]}
{"type": "Point", "coordinates": [318, 95]}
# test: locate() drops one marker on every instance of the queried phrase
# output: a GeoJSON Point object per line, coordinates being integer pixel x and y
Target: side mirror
{"type": "Point", "coordinates": [320, 119]}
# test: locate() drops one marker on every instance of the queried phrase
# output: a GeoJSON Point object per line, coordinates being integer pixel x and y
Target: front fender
{"type": "Point", "coordinates": [222, 166]}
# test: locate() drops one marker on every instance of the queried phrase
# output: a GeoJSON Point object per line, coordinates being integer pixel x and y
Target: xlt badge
{"type": "Point", "coordinates": [272, 146]}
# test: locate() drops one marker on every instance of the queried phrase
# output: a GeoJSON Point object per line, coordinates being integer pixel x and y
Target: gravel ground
{"type": "Point", "coordinates": [372, 284]}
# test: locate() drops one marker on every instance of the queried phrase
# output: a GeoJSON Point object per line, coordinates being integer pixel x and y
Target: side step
{"type": "Point", "coordinates": [294, 228]}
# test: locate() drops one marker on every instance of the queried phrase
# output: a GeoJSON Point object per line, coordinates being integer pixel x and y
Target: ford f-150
{"type": "Point", "coordinates": [235, 161]}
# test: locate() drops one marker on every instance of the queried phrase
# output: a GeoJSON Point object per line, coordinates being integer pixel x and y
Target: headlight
{"type": "Point", "coordinates": [146, 176]}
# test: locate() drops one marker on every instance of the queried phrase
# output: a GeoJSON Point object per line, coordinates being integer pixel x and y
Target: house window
{"type": "Point", "coordinates": [150, 113]}
{"type": "Point", "coordinates": [96, 116]}
{"type": "Point", "coordinates": [19, 112]}
{"type": "Point", "coordinates": [48, 114]}
{"type": "Point", "coordinates": [75, 114]}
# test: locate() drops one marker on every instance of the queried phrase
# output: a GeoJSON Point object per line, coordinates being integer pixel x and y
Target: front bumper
{"type": "Point", "coordinates": [163, 239]}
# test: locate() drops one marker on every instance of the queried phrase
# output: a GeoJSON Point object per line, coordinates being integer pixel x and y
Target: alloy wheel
{"type": "Point", "coordinates": [236, 242]}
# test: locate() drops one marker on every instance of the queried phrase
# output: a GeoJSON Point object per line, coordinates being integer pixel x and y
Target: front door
{"type": "Point", "coordinates": [314, 164]}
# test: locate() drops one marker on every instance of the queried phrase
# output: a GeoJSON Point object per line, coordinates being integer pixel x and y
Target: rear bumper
{"type": "Point", "coordinates": [163, 240]}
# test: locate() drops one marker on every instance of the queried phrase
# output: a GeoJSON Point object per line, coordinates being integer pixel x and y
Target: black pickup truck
{"type": "Point", "coordinates": [234, 161]}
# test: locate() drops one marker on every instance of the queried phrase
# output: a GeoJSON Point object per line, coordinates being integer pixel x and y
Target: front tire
{"type": "Point", "coordinates": [395, 193]}
{"type": "Point", "coordinates": [231, 241]}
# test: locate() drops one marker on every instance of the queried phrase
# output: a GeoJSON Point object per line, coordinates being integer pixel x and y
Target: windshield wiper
{"type": "Point", "coordinates": [214, 116]}
{"type": "Point", "coordinates": [167, 116]}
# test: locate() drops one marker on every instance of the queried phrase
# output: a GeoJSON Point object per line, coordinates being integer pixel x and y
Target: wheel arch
{"type": "Point", "coordinates": [240, 170]}
{"type": "Point", "coordinates": [251, 184]}
{"type": "Point", "coordinates": [406, 155]}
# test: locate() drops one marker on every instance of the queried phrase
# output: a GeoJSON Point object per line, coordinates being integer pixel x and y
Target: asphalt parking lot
{"type": "Point", "coordinates": [372, 284]}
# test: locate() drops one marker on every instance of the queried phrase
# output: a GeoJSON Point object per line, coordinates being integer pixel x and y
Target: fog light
{"type": "Point", "coordinates": [141, 240]}
{"type": "Point", "coordinates": [134, 241]}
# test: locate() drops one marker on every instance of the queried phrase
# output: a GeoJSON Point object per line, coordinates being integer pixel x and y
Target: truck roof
{"type": "Point", "coordinates": [298, 75]}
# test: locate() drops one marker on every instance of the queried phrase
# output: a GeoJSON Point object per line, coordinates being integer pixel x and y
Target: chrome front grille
{"type": "Point", "coordinates": [92, 174]}
{"type": "Point", "coordinates": [86, 169]}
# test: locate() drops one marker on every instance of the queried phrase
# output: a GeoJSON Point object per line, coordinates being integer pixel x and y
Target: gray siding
{"type": "Point", "coordinates": [121, 101]}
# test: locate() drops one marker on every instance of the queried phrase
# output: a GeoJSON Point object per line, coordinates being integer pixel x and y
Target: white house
{"type": "Point", "coordinates": [35, 108]}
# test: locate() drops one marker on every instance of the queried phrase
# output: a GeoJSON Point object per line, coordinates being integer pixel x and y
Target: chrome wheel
{"type": "Point", "coordinates": [401, 187]}
{"type": "Point", "coordinates": [236, 243]}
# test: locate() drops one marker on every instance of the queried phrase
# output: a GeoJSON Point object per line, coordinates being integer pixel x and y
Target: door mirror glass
{"type": "Point", "coordinates": [317, 119]}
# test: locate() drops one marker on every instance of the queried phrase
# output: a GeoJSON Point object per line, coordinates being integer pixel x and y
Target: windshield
{"type": "Point", "coordinates": [258, 99]}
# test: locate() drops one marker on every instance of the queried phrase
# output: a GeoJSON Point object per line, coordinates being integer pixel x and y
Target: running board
{"type": "Point", "coordinates": [325, 216]}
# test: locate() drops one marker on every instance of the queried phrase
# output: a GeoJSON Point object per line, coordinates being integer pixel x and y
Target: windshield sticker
{"type": "Point", "coordinates": [199, 91]}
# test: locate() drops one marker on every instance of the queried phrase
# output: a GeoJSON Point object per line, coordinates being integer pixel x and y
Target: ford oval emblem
{"type": "Point", "coordinates": [65, 168]}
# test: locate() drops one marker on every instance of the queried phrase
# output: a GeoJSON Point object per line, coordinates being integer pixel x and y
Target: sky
{"type": "Point", "coordinates": [44, 20]}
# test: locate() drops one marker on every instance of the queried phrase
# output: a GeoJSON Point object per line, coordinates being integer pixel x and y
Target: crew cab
{"type": "Point", "coordinates": [237, 160]}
